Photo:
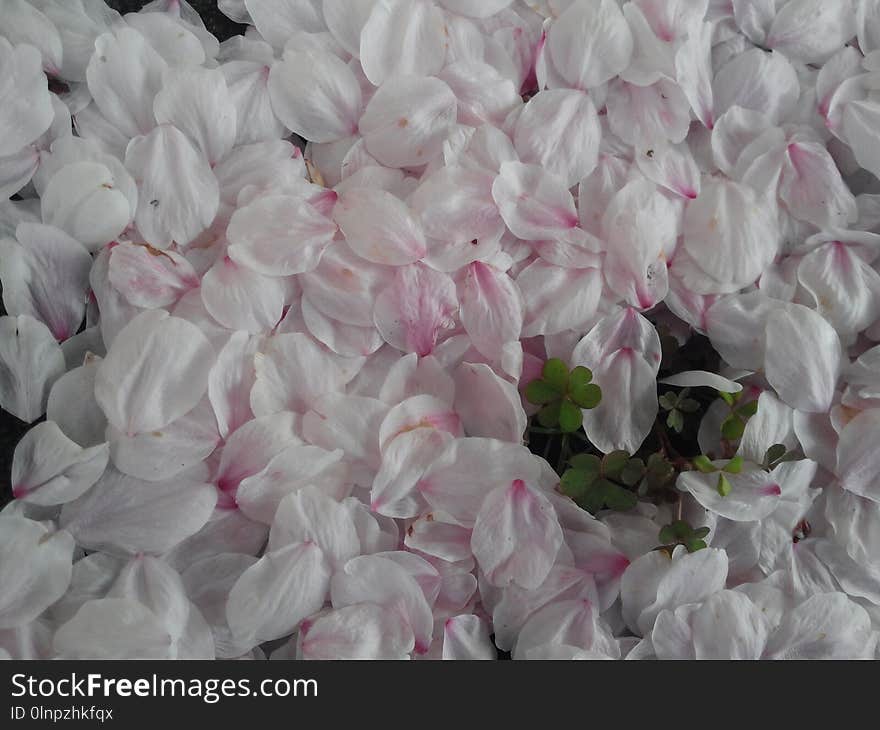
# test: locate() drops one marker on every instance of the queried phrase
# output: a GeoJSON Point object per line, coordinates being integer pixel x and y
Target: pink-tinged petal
{"type": "Point", "coordinates": [803, 358]}
{"type": "Point", "coordinates": [227, 531]}
{"type": "Point", "coordinates": [156, 370]}
{"type": "Point", "coordinates": [359, 631]}
{"type": "Point", "coordinates": [345, 20]}
{"type": "Point", "coordinates": [48, 468]}
{"type": "Point", "coordinates": [198, 103]}
{"type": "Point", "coordinates": [488, 405]}
{"type": "Point", "coordinates": [178, 192]}
{"type": "Point", "coordinates": [466, 637]}
{"type": "Point", "coordinates": [274, 595]}
{"type": "Point", "coordinates": [860, 131]}
{"type": "Point", "coordinates": [24, 100]}
{"type": "Point", "coordinates": [484, 95]}
{"type": "Point", "coordinates": [572, 623]}
{"type": "Point", "coordinates": [16, 170]}
{"type": "Point", "coordinates": [597, 557]}
{"type": "Point", "coordinates": [83, 200]}
{"type": "Point", "coordinates": [762, 82]}
{"type": "Point", "coordinates": [858, 461]}
{"type": "Point", "coordinates": [45, 275]}
{"type": "Point", "coordinates": [420, 569]}
{"type": "Point", "coordinates": [35, 565]}
{"type": "Point", "coordinates": [670, 166]}
{"type": "Point", "coordinates": [623, 351]}
{"type": "Point", "coordinates": [310, 516]}
{"type": "Point", "coordinates": [379, 227]}
{"type": "Point", "coordinates": [824, 626]}
{"type": "Point", "coordinates": [73, 407]}
{"type": "Point", "coordinates": [623, 329]}
{"type": "Point", "coordinates": [407, 120]}
{"type": "Point", "coordinates": [247, 81]}
{"type": "Point", "coordinates": [413, 375]}
{"type": "Point", "coordinates": [345, 287]}
{"type": "Point", "coordinates": [547, 310]}
{"type": "Point", "coordinates": [753, 496]}
{"type": "Point", "coordinates": [25, 24]}
{"type": "Point", "coordinates": [292, 373]}
{"type": "Point", "coordinates": [156, 585]}
{"type": "Point", "coordinates": [730, 233]}
{"type": "Point", "coordinates": [469, 468]}
{"type": "Point", "coordinates": [736, 326]}
{"type": "Point", "coordinates": [347, 340]}
{"type": "Point", "coordinates": [639, 114]}
{"type": "Point", "coordinates": [242, 299]}
{"type": "Point", "coordinates": [517, 604]}
{"type": "Point", "coordinates": [693, 72]}
{"type": "Point", "coordinates": [122, 515]}
{"type": "Point", "coordinates": [294, 468]}
{"type": "Point", "coordinates": [404, 460]}
{"type": "Point", "coordinates": [811, 30]}
{"type": "Point", "coordinates": [516, 536]}
{"type": "Point", "coordinates": [331, 87]}
{"type": "Point", "coordinates": [735, 130]}
{"type": "Point", "coordinates": [653, 44]}
{"type": "Point", "coordinates": [412, 312]}
{"type": "Point", "coordinates": [624, 417]}
{"type": "Point", "coordinates": [169, 36]}
{"type": "Point", "coordinates": [845, 288]}
{"type": "Point", "coordinates": [654, 583]}
{"type": "Point", "coordinates": [207, 583]}
{"type": "Point", "coordinates": [91, 577]}
{"type": "Point", "coordinates": [853, 523]}
{"type": "Point", "coordinates": [772, 424]}
{"type": "Point", "coordinates": [374, 579]}
{"type": "Point", "coordinates": [442, 540]}
{"type": "Point", "coordinates": [491, 308]}
{"type": "Point", "coordinates": [559, 130]}
{"type": "Point", "coordinates": [162, 454]}
{"type": "Point", "coordinates": [402, 37]}
{"type": "Point", "coordinates": [279, 235]}
{"type": "Point", "coordinates": [635, 264]}
{"type": "Point", "coordinates": [419, 411]}
{"type": "Point", "coordinates": [535, 204]}
{"type": "Point", "coordinates": [590, 43]}
{"type": "Point", "coordinates": [148, 277]}
{"type": "Point", "coordinates": [30, 362]}
{"type": "Point", "coordinates": [351, 423]}
{"type": "Point", "coordinates": [835, 78]}
{"type": "Point", "coordinates": [230, 382]}
{"type": "Point", "coordinates": [729, 626]}
{"type": "Point", "coordinates": [124, 75]}
{"type": "Point", "coordinates": [113, 628]}
{"type": "Point", "coordinates": [858, 580]}
{"type": "Point", "coordinates": [104, 169]}
{"type": "Point", "coordinates": [277, 20]}
{"type": "Point", "coordinates": [90, 124]}
{"type": "Point", "coordinates": [376, 533]}
{"type": "Point", "coordinates": [455, 205]}
{"type": "Point", "coordinates": [813, 190]}
{"type": "Point", "coordinates": [270, 167]}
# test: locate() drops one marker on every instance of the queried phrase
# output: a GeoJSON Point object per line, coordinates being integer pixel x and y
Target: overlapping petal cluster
{"type": "Point", "coordinates": [282, 385]}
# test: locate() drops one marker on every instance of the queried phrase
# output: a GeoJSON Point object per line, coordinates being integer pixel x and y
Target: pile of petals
{"type": "Point", "coordinates": [283, 386]}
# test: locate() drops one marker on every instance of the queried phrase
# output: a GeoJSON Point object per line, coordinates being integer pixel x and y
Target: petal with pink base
{"type": "Point", "coordinates": [516, 536]}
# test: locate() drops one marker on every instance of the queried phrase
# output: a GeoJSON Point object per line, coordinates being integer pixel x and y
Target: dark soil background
{"type": "Point", "coordinates": [11, 429]}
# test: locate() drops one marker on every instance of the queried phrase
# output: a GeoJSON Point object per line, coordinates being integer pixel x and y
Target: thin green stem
{"type": "Point", "coordinates": [564, 453]}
